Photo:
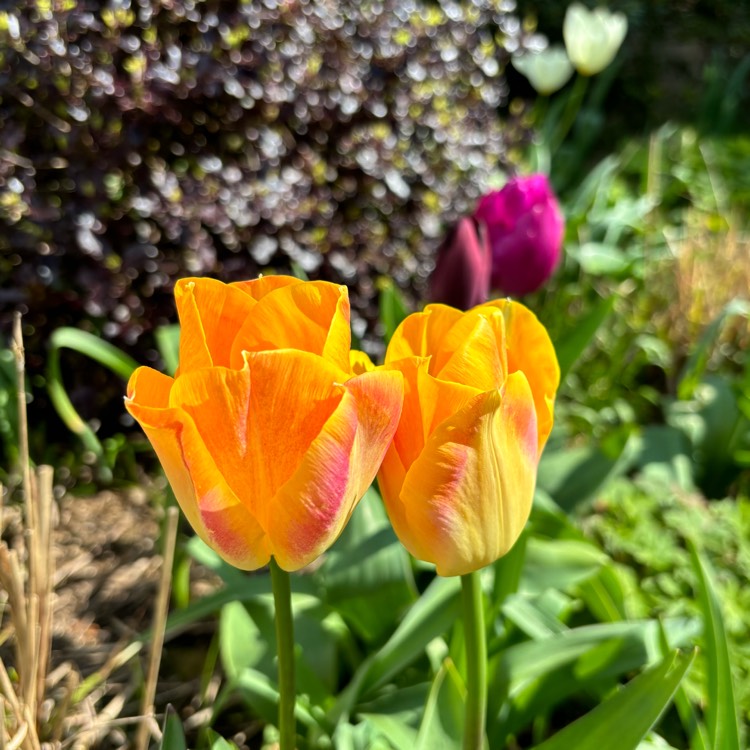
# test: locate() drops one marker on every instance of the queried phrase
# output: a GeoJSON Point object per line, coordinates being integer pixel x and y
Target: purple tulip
{"type": "Point", "coordinates": [462, 273]}
{"type": "Point", "coordinates": [525, 228]}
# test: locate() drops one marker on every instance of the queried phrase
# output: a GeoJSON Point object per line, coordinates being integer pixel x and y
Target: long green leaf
{"type": "Point", "coordinates": [94, 348]}
{"type": "Point", "coordinates": [393, 307]}
{"type": "Point", "coordinates": [168, 344]}
{"type": "Point", "coordinates": [638, 644]}
{"type": "Point", "coordinates": [721, 711]}
{"type": "Point", "coordinates": [430, 616]}
{"type": "Point", "coordinates": [443, 722]}
{"type": "Point", "coordinates": [621, 722]}
{"type": "Point", "coordinates": [581, 333]}
{"type": "Point", "coordinates": [173, 736]}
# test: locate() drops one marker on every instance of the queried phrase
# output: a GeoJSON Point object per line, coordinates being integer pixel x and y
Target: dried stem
{"type": "Point", "coordinates": [160, 621]}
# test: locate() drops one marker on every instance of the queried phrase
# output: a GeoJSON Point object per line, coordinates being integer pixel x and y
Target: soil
{"type": "Point", "coordinates": [106, 578]}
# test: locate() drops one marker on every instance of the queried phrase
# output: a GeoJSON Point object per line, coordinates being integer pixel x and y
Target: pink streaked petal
{"type": "Point", "coordinates": [470, 491]}
{"type": "Point", "coordinates": [210, 506]}
{"type": "Point", "coordinates": [379, 397]}
{"type": "Point", "coordinates": [312, 508]}
{"type": "Point", "coordinates": [228, 525]}
{"type": "Point", "coordinates": [218, 401]}
{"type": "Point", "coordinates": [390, 481]}
{"type": "Point", "coordinates": [531, 351]}
{"type": "Point", "coordinates": [293, 395]}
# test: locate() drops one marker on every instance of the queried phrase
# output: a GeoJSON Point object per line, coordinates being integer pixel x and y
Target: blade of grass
{"type": "Point", "coordinates": [721, 711]}
{"type": "Point", "coordinates": [631, 712]}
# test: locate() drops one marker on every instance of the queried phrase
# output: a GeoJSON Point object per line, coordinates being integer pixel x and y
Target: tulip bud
{"type": "Point", "coordinates": [592, 37]}
{"type": "Point", "coordinates": [547, 71]}
{"type": "Point", "coordinates": [525, 228]}
{"type": "Point", "coordinates": [479, 391]}
{"type": "Point", "coordinates": [462, 273]}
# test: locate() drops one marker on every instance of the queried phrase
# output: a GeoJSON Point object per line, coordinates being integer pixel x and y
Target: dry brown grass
{"type": "Point", "coordinates": [43, 708]}
{"type": "Point", "coordinates": [709, 268]}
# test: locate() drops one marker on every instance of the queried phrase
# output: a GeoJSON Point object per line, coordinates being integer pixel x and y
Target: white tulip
{"type": "Point", "coordinates": [592, 37]}
{"type": "Point", "coordinates": [547, 71]}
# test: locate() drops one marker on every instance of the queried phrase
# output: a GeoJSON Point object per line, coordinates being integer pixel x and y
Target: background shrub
{"type": "Point", "coordinates": [150, 140]}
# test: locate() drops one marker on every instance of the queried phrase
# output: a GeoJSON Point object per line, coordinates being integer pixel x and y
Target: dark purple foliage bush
{"type": "Point", "coordinates": [144, 141]}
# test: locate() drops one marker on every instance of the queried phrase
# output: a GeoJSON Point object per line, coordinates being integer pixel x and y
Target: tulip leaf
{"type": "Point", "coordinates": [241, 641]}
{"type": "Point", "coordinates": [534, 676]}
{"type": "Point", "coordinates": [366, 576]}
{"type": "Point", "coordinates": [573, 475]}
{"type": "Point", "coordinates": [630, 712]}
{"type": "Point", "coordinates": [601, 259]}
{"type": "Point", "coordinates": [605, 595]}
{"type": "Point", "coordinates": [173, 736]}
{"type": "Point", "coordinates": [559, 563]}
{"type": "Point", "coordinates": [721, 709]}
{"type": "Point", "coordinates": [443, 723]}
{"type": "Point", "coordinates": [393, 307]}
{"type": "Point", "coordinates": [531, 619]}
{"type": "Point", "coordinates": [398, 734]}
{"type": "Point", "coordinates": [262, 697]}
{"type": "Point", "coordinates": [638, 643]}
{"type": "Point", "coordinates": [581, 333]}
{"type": "Point", "coordinates": [696, 365]}
{"type": "Point", "coordinates": [429, 617]}
{"type": "Point", "coordinates": [168, 344]}
{"type": "Point", "coordinates": [218, 742]}
{"type": "Point", "coordinates": [91, 346]}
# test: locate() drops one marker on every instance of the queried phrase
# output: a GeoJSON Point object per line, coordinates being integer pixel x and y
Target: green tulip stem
{"type": "Point", "coordinates": [476, 661]}
{"type": "Point", "coordinates": [282, 598]}
{"type": "Point", "coordinates": [572, 107]}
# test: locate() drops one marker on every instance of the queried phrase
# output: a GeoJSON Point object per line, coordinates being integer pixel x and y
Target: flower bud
{"type": "Point", "coordinates": [525, 228]}
{"type": "Point", "coordinates": [462, 273]}
{"type": "Point", "coordinates": [592, 37]}
{"type": "Point", "coordinates": [547, 71]}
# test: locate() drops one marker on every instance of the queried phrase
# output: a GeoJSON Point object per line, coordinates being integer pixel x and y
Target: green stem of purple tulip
{"type": "Point", "coordinates": [282, 599]}
{"type": "Point", "coordinates": [476, 661]}
{"type": "Point", "coordinates": [572, 107]}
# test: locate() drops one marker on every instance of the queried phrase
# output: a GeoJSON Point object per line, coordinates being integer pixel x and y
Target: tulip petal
{"type": "Point", "coordinates": [210, 313]}
{"type": "Point", "coordinates": [292, 397]}
{"type": "Point", "coordinates": [311, 317]}
{"type": "Point", "coordinates": [260, 287]}
{"type": "Point", "coordinates": [360, 362]}
{"type": "Point", "coordinates": [312, 508]}
{"type": "Point", "coordinates": [421, 334]}
{"type": "Point", "coordinates": [209, 504]}
{"type": "Point", "coordinates": [530, 350]}
{"type": "Point", "coordinates": [428, 401]}
{"type": "Point", "coordinates": [479, 359]}
{"type": "Point", "coordinates": [469, 494]}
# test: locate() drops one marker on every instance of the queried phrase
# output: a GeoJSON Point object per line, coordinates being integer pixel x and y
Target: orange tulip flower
{"type": "Point", "coordinates": [458, 480]}
{"type": "Point", "coordinates": [266, 434]}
